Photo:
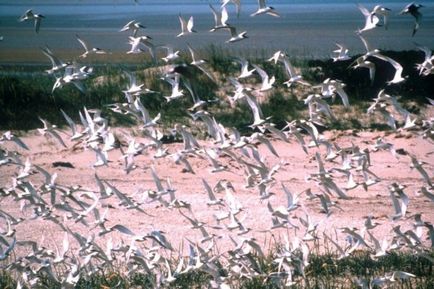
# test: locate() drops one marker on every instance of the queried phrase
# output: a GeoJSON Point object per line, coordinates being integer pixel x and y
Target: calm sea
{"type": "Point", "coordinates": [305, 28]}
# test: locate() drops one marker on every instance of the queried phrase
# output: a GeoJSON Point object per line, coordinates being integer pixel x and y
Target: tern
{"type": "Point", "coordinates": [360, 62]}
{"type": "Point", "coordinates": [426, 67]}
{"type": "Point", "coordinates": [245, 72]}
{"type": "Point", "coordinates": [171, 54]}
{"type": "Point", "coordinates": [237, 4]}
{"type": "Point", "coordinates": [278, 55]}
{"type": "Point", "coordinates": [413, 10]}
{"type": "Point", "coordinates": [293, 75]}
{"type": "Point", "coordinates": [136, 42]}
{"type": "Point", "coordinates": [29, 15]}
{"type": "Point", "coordinates": [383, 11]}
{"type": "Point", "coordinates": [9, 136]}
{"type": "Point", "coordinates": [58, 65]}
{"type": "Point", "coordinates": [51, 131]}
{"type": "Point", "coordinates": [267, 82]}
{"type": "Point", "coordinates": [199, 63]}
{"type": "Point", "coordinates": [95, 50]}
{"type": "Point", "coordinates": [397, 78]}
{"type": "Point", "coordinates": [263, 9]}
{"type": "Point", "coordinates": [341, 53]}
{"type": "Point", "coordinates": [219, 18]}
{"type": "Point", "coordinates": [186, 27]}
{"type": "Point", "coordinates": [371, 20]}
{"type": "Point", "coordinates": [134, 26]}
{"type": "Point", "coordinates": [236, 36]}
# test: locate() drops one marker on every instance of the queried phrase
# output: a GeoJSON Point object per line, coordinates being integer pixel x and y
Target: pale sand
{"type": "Point", "coordinates": [296, 166]}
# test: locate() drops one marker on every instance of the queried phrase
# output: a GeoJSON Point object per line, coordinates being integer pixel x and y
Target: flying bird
{"type": "Point", "coordinates": [186, 26]}
{"type": "Point", "coordinates": [29, 15]}
{"type": "Point", "coordinates": [413, 10]}
{"type": "Point", "coordinates": [263, 9]}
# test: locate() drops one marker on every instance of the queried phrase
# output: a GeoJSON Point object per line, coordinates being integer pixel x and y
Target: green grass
{"type": "Point", "coordinates": [323, 271]}
{"type": "Point", "coordinates": [25, 91]}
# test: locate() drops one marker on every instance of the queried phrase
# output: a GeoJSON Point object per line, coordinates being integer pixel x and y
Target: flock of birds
{"type": "Point", "coordinates": [68, 206]}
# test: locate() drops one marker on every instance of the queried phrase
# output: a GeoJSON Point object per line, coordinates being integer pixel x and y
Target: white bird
{"type": "Point", "coordinates": [292, 74]}
{"type": "Point", "coordinates": [360, 62]}
{"type": "Point", "coordinates": [88, 50]}
{"type": "Point", "coordinates": [278, 55]}
{"type": "Point", "coordinates": [383, 11]}
{"type": "Point", "coordinates": [211, 196]}
{"type": "Point", "coordinates": [245, 72]}
{"type": "Point", "coordinates": [75, 133]}
{"type": "Point", "coordinates": [134, 26]}
{"type": "Point", "coordinates": [171, 54]}
{"type": "Point", "coordinates": [176, 91]}
{"type": "Point", "coordinates": [371, 20]}
{"type": "Point", "coordinates": [267, 82]}
{"type": "Point", "coordinates": [426, 67]}
{"type": "Point", "coordinates": [56, 62]}
{"type": "Point", "coordinates": [220, 18]}
{"type": "Point", "coordinates": [199, 63]}
{"type": "Point", "coordinates": [413, 10]}
{"type": "Point", "coordinates": [137, 42]}
{"type": "Point", "coordinates": [186, 27]}
{"type": "Point", "coordinates": [416, 164]}
{"type": "Point", "coordinates": [50, 129]}
{"type": "Point", "coordinates": [341, 53]}
{"type": "Point", "coordinates": [9, 136]}
{"type": "Point", "coordinates": [397, 78]}
{"type": "Point", "coordinates": [399, 200]}
{"type": "Point", "coordinates": [263, 9]}
{"type": "Point", "coordinates": [256, 111]}
{"type": "Point", "coordinates": [237, 4]}
{"type": "Point", "coordinates": [29, 15]}
{"type": "Point", "coordinates": [236, 36]}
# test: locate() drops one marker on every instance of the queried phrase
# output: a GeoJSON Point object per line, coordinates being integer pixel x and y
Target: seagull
{"type": "Point", "coordinates": [134, 26]}
{"type": "Point", "coordinates": [234, 35]}
{"type": "Point", "coordinates": [186, 27]}
{"type": "Point", "coordinates": [95, 50]}
{"type": "Point", "coordinates": [219, 18]}
{"type": "Point", "coordinates": [413, 10]}
{"type": "Point", "coordinates": [263, 9]}
{"type": "Point", "coordinates": [29, 15]}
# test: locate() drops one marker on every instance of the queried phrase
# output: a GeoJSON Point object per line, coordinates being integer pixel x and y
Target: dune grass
{"type": "Point", "coordinates": [25, 91]}
{"type": "Point", "coordinates": [324, 271]}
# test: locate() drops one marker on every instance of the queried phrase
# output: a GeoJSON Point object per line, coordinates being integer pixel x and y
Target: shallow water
{"type": "Point", "coordinates": [305, 28]}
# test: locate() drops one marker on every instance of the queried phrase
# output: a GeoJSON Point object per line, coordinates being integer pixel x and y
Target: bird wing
{"type": "Point", "coordinates": [82, 43]}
